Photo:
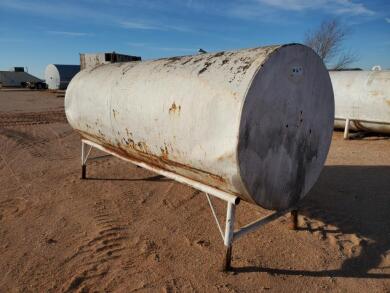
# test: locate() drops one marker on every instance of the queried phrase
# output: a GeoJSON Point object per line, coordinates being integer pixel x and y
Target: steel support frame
{"type": "Point", "coordinates": [346, 128]}
{"type": "Point", "coordinates": [349, 120]}
{"type": "Point", "coordinates": [229, 234]}
{"type": "Point", "coordinates": [84, 158]}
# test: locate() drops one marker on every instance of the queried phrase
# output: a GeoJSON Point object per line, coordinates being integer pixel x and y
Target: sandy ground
{"type": "Point", "coordinates": [125, 230]}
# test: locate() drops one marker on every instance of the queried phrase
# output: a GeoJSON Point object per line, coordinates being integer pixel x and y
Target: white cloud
{"type": "Point", "coordinates": [139, 25]}
{"type": "Point", "coordinates": [55, 9]}
{"type": "Point", "coordinates": [296, 5]}
{"type": "Point", "coordinates": [349, 7]}
{"type": "Point", "coordinates": [85, 13]}
{"type": "Point", "coordinates": [261, 10]}
{"type": "Point", "coordinates": [161, 48]}
{"type": "Point", "coordinates": [143, 25]}
{"type": "Point", "coordinates": [387, 19]}
{"type": "Point", "coordinates": [331, 6]}
{"type": "Point", "coordinates": [69, 34]}
{"type": "Point", "coordinates": [136, 44]}
{"type": "Point", "coordinates": [176, 49]}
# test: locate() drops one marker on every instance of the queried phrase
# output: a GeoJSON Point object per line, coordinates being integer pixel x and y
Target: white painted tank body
{"type": "Point", "coordinates": [364, 98]}
{"type": "Point", "coordinates": [256, 123]}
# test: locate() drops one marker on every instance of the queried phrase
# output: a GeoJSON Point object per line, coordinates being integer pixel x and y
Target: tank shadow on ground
{"type": "Point", "coordinates": [151, 178]}
{"type": "Point", "coordinates": [356, 201]}
{"type": "Point", "coordinates": [368, 136]}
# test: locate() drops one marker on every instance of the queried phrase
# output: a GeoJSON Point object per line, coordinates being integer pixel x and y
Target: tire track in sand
{"type": "Point", "coordinates": [98, 254]}
{"type": "Point", "coordinates": [32, 118]}
{"type": "Point", "coordinates": [37, 143]}
{"type": "Point", "coordinates": [35, 146]}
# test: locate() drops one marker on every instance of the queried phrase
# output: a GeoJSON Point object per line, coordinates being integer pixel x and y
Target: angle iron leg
{"type": "Point", "coordinates": [84, 158]}
{"type": "Point", "coordinates": [294, 219]}
{"type": "Point", "coordinates": [83, 171]}
{"type": "Point", "coordinates": [228, 239]}
{"type": "Point", "coordinates": [346, 129]}
{"type": "Point", "coordinates": [83, 165]}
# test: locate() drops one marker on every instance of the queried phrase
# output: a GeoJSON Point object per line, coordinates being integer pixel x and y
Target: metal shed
{"type": "Point", "coordinates": [58, 76]}
{"type": "Point", "coordinates": [16, 78]}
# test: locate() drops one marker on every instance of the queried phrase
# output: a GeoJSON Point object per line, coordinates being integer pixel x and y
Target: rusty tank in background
{"type": "Point", "coordinates": [256, 123]}
{"type": "Point", "coordinates": [362, 97]}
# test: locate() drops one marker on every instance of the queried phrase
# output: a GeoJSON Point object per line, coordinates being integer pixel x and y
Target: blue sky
{"type": "Point", "coordinates": [37, 33]}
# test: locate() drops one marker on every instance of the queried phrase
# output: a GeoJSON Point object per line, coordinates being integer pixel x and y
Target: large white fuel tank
{"type": "Point", "coordinates": [364, 98]}
{"type": "Point", "coordinates": [256, 123]}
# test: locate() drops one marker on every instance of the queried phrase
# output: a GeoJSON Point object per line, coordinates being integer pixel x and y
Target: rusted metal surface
{"type": "Point", "coordinates": [139, 152]}
{"type": "Point", "coordinates": [228, 197]}
{"type": "Point", "coordinates": [255, 123]}
{"type": "Point", "coordinates": [363, 97]}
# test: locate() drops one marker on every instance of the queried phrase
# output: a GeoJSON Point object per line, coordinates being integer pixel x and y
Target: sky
{"type": "Point", "coordinates": [34, 34]}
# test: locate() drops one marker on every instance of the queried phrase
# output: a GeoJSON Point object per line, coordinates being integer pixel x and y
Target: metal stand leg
{"type": "Point", "coordinates": [346, 129]}
{"type": "Point", "coordinates": [84, 158]}
{"type": "Point", "coordinates": [227, 259]}
{"type": "Point", "coordinates": [83, 171]}
{"type": "Point", "coordinates": [294, 220]}
{"type": "Point", "coordinates": [228, 239]}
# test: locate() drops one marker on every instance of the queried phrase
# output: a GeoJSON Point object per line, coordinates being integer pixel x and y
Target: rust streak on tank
{"type": "Point", "coordinates": [164, 152]}
{"type": "Point", "coordinates": [140, 152]}
{"type": "Point", "coordinates": [174, 108]}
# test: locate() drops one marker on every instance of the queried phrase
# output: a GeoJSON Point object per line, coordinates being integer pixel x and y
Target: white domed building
{"type": "Point", "coordinates": [58, 76]}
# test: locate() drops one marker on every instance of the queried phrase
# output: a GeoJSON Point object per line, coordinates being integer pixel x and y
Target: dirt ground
{"type": "Point", "coordinates": [126, 230]}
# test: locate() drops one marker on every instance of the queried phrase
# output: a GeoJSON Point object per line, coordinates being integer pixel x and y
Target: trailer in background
{"type": "Point", "coordinates": [91, 60]}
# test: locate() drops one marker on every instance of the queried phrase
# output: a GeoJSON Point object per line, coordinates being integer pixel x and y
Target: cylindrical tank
{"type": "Point", "coordinates": [256, 122]}
{"type": "Point", "coordinates": [58, 76]}
{"type": "Point", "coordinates": [364, 98]}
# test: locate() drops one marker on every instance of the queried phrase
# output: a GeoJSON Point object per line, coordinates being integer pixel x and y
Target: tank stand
{"type": "Point", "coordinates": [84, 158]}
{"type": "Point", "coordinates": [230, 235]}
{"type": "Point", "coordinates": [346, 129]}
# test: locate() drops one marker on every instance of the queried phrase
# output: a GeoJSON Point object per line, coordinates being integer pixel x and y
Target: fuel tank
{"type": "Point", "coordinates": [256, 123]}
{"type": "Point", "coordinates": [364, 98]}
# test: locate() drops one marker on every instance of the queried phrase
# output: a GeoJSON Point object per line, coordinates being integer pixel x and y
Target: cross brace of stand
{"type": "Point", "coordinates": [230, 235]}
